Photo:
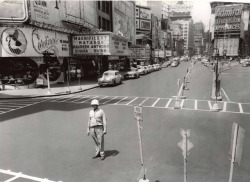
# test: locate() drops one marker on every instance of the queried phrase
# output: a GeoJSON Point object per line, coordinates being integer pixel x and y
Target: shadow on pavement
{"type": "Point", "coordinates": [47, 105]}
{"type": "Point", "coordinates": [111, 153]}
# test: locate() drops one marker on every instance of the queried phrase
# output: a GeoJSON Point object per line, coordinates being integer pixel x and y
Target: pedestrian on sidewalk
{"type": "Point", "coordinates": [97, 127]}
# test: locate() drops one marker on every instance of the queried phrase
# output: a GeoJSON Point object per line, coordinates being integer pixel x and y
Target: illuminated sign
{"type": "Point", "coordinates": [103, 44]}
{"type": "Point", "coordinates": [228, 17]}
{"type": "Point", "coordinates": [139, 52]}
{"type": "Point", "coordinates": [145, 25]}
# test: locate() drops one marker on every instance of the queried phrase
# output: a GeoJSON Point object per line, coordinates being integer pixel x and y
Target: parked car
{"type": "Point", "coordinates": [141, 70]}
{"type": "Point", "coordinates": [174, 64]}
{"type": "Point", "coordinates": [151, 68]}
{"type": "Point", "coordinates": [133, 73]}
{"type": "Point", "coordinates": [246, 63]}
{"type": "Point", "coordinates": [111, 77]}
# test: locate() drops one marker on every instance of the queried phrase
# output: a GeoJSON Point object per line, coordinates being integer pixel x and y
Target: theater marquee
{"type": "Point", "coordinates": [100, 44]}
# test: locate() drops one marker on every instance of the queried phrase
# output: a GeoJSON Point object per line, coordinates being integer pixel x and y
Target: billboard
{"type": "Point", "coordinates": [139, 52]}
{"type": "Point", "coordinates": [143, 18]}
{"type": "Point", "coordinates": [124, 19]}
{"type": "Point", "coordinates": [231, 45]}
{"type": "Point", "coordinates": [13, 11]}
{"type": "Point", "coordinates": [228, 18]}
{"type": "Point", "coordinates": [100, 44]}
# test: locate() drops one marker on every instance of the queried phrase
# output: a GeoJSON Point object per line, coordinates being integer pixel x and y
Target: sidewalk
{"type": "Point", "coordinates": [56, 90]}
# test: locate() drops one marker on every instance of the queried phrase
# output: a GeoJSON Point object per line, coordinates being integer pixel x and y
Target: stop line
{"type": "Point", "coordinates": [155, 102]}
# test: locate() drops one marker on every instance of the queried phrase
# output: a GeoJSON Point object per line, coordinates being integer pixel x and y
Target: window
{"type": "Point", "coordinates": [99, 5]}
{"type": "Point", "coordinates": [103, 6]}
{"type": "Point", "coordinates": [100, 22]}
{"type": "Point", "coordinates": [107, 7]}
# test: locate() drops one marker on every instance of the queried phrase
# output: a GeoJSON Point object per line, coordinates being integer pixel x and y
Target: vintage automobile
{"type": "Point", "coordinates": [246, 63]}
{"type": "Point", "coordinates": [133, 73]}
{"type": "Point", "coordinates": [141, 70]}
{"type": "Point", "coordinates": [174, 64]}
{"type": "Point", "coordinates": [111, 77]}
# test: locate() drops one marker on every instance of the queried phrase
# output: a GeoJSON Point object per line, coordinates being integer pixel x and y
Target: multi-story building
{"type": "Point", "coordinates": [229, 27]}
{"type": "Point", "coordinates": [65, 35]}
{"type": "Point", "coordinates": [180, 13]}
{"type": "Point", "coordinates": [199, 38]}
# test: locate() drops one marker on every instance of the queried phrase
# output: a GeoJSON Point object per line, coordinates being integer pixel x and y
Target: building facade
{"type": "Point", "coordinates": [229, 27]}
{"type": "Point", "coordinates": [64, 36]}
{"type": "Point", "coordinates": [199, 43]}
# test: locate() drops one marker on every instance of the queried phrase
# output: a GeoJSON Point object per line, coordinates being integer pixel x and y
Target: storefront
{"type": "Point", "coordinates": [103, 51]}
{"type": "Point", "coordinates": [23, 52]}
{"type": "Point", "coordinates": [140, 55]}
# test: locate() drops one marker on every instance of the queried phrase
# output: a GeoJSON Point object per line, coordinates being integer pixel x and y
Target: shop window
{"type": "Point", "coordinates": [18, 71]}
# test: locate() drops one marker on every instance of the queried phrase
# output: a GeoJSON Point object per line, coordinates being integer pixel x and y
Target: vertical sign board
{"type": "Point", "coordinates": [239, 135]}
{"type": "Point", "coordinates": [138, 113]}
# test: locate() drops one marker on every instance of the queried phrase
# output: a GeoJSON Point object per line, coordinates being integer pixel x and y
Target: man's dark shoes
{"type": "Point", "coordinates": [102, 158]}
{"type": "Point", "coordinates": [97, 155]}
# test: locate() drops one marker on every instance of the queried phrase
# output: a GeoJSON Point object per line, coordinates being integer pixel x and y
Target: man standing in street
{"type": "Point", "coordinates": [97, 127]}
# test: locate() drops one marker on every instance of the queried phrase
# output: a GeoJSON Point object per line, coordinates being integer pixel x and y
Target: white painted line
{"type": "Point", "coordinates": [195, 105]}
{"type": "Point", "coordinates": [155, 102]}
{"type": "Point", "coordinates": [224, 106]}
{"type": "Point", "coordinates": [20, 175]}
{"type": "Point", "coordinates": [102, 98]}
{"type": "Point", "coordinates": [59, 98]}
{"type": "Point", "coordinates": [75, 100]}
{"type": "Point", "coordinates": [225, 94]}
{"type": "Point", "coordinates": [240, 107]}
{"type": "Point", "coordinates": [210, 105]}
{"type": "Point", "coordinates": [131, 101]}
{"type": "Point", "coordinates": [120, 100]}
{"type": "Point", "coordinates": [89, 99]}
{"type": "Point", "coordinates": [143, 101]}
{"type": "Point", "coordinates": [1, 105]}
{"type": "Point", "coordinates": [182, 102]}
{"type": "Point", "coordinates": [68, 98]}
{"type": "Point", "coordinates": [169, 101]}
{"type": "Point", "coordinates": [109, 100]}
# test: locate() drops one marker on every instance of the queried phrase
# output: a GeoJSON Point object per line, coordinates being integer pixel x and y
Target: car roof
{"type": "Point", "coordinates": [111, 71]}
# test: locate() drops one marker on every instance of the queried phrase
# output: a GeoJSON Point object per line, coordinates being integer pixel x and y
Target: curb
{"type": "Point", "coordinates": [53, 95]}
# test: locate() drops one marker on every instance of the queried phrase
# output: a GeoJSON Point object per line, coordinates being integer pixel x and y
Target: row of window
{"type": "Point", "coordinates": [104, 6]}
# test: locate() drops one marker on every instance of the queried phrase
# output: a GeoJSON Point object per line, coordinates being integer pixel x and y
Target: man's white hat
{"type": "Point", "coordinates": [95, 102]}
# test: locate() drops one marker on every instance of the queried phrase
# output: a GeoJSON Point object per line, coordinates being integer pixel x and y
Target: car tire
{"type": "Point", "coordinates": [113, 83]}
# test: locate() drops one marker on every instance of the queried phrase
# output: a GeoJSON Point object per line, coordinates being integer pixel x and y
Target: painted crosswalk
{"type": "Point", "coordinates": [154, 102]}
{"type": "Point", "coordinates": [15, 104]}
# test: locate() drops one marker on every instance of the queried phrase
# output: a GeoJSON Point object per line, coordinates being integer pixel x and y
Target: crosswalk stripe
{"type": "Point", "coordinates": [182, 102]}
{"type": "Point", "coordinates": [143, 101]}
{"type": "Point", "coordinates": [155, 102]}
{"type": "Point", "coordinates": [195, 105]}
{"type": "Point", "coordinates": [131, 101]}
{"type": "Point", "coordinates": [109, 100]}
{"type": "Point", "coordinates": [240, 107]}
{"type": "Point", "coordinates": [225, 106]}
{"type": "Point", "coordinates": [169, 101]}
{"type": "Point", "coordinates": [120, 100]}
{"type": "Point", "coordinates": [75, 100]}
{"type": "Point", "coordinates": [89, 99]}
{"type": "Point", "coordinates": [210, 105]}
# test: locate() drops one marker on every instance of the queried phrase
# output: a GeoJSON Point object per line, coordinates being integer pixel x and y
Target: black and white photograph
{"type": "Point", "coordinates": [124, 91]}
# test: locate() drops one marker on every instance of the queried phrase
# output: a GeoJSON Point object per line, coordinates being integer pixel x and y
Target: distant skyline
{"type": "Point", "coordinates": [201, 9]}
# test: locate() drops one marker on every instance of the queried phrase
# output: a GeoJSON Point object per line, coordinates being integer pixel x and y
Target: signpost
{"type": "Point", "coordinates": [138, 118]}
{"type": "Point", "coordinates": [185, 145]}
{"type": "Point", "coordinates": [236, 146]}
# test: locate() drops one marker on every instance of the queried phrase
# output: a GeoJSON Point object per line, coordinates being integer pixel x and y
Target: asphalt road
{"type": "Point", "coordinates": [47, 138]}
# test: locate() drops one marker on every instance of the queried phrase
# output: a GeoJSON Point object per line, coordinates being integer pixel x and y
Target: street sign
{"type": "Point", "coordinates": [182, 145]}
{"type": "Point", "coordinates": [138, 113]}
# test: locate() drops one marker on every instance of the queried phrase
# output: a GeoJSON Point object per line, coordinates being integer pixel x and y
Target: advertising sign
{"type": "Point", "coordinates": [145, 25]}
{"type": "Point", "coordinates": [124, 19]}
{"type": "Point", "coordinates": [168, 53]}
{"type": "Point", "coordinates": [230, 45]}
{"type": "Point", "coordinates": [28, 42]}
{"type": "Point", "coordinates": [228, 17]}
{"type": "Point", "coordinates": [139, 52]}
{"type": "Point", "coordinates": [145, 13]}
{"type": "Point", "coordinates": [99, 44]}
{"type": "Point", "coordinates": [45, 12]}
{"type": "Point", "coordinates": [13, 11]}
{"type": "Point", "coordinates": [159, 53]}
{"type": "Point", "coordinates": [50, 41]}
